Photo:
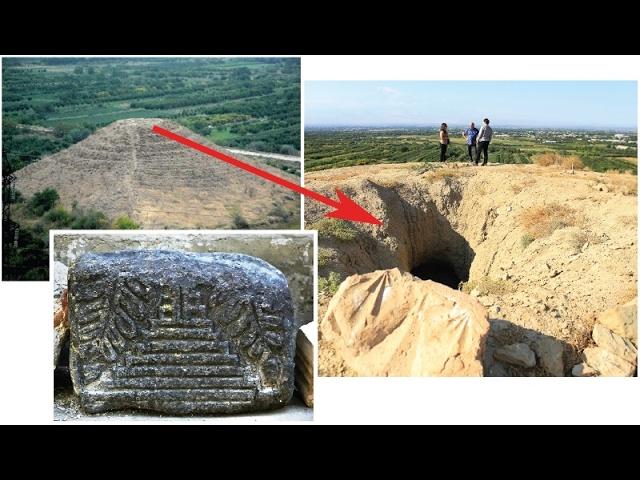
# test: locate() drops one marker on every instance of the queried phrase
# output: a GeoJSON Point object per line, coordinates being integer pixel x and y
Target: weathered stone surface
{"type": "Point", "coordinates": [583, 370]}
{"type": "Point", "coordinates": [616, 344]}
{"type": "Point", "coordinates": [60, 321]}
{"type": "Point", "coordinates": [550, 352]}
{"type": "Point", "coordinates": [622, 320]}
{"type": "Point", "coordinates": [180, 333]}
{"type": "Point", "coordinates": [516, 354]}
{"type": "Point", "coordinates": [292, 254]}
{"type": "Point", "coordinates": [608, 364]}
{"type": "Point", "coordinates": [388, 323]}
{"type": "Point", "coordinates": [305, 342]}
{"type": "Point", "coordinates": [498, 370]}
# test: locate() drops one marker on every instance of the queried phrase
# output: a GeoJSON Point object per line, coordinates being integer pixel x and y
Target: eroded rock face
{"type": "Point", "coordinates": [389, 323]}
{"type": "Point", "coordinates": [60, 320]}
{"type": "Point", "coordinates": [180, 333]}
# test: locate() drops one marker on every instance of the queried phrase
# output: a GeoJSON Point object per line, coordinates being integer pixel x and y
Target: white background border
{"type": "Point", "coordinates": [25, 355]}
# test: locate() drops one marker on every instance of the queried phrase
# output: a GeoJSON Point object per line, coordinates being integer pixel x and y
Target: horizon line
{"type": "Point", "coordinates": [432, 125]}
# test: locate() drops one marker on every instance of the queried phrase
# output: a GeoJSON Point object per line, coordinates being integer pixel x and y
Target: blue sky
{"type": "Point", "coordinates": [578, 104]}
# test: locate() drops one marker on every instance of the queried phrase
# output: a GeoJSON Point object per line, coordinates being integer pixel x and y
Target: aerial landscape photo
{"type": "Point", "coordinates": [78, 150]}
{"type": "Point", "coordinates": [508, 224]}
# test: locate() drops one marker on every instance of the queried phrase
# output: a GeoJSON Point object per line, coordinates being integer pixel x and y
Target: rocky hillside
{"type": "Point", "coordinates": [126, 169]}
{"type": "Point", "coordinates": [543, 249]}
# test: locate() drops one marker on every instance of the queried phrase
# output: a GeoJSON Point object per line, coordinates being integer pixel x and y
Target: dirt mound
{"type": "Point", "coordinates": [388, 323]}
{"type": "Point", "coordinates": [543, 249]}
{"type": "Point", "coordinates": [126, 169]}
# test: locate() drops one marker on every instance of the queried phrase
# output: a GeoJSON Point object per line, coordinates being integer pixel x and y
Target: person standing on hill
{"type": "Point", "coordinates": [484, 138]}
{"type": "Point", "coordinates": [444, 141]}
{"type": "Point", "coordinates": [471, 135]}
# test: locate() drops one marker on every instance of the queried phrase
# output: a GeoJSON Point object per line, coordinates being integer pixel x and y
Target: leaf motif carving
{"type": "Point", "coordinates": [259, 337]}
{"type": "Point", "coordinates": [114, 317]}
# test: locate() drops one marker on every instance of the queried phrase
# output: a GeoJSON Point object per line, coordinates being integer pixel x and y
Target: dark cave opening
{"type": "Point", "coordinates": [440, 271]}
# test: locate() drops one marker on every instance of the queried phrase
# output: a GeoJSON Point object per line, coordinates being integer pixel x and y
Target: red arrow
{"type": "Point", "coordinates": [346, 208]}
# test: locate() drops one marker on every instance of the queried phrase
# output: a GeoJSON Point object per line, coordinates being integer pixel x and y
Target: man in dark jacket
{"type": "Point", "coordinates": [484, 138]}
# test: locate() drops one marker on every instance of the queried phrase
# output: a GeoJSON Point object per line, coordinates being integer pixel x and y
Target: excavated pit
{"type": "Point", "coordinates": [439, 271]}
{"type": "Point", "coordinates": [420, 239]}
{"type": "Point", "coordinates": [464, 224]}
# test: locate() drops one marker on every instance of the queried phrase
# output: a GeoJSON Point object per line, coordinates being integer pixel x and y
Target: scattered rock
{"type": "Point", "coordinates": [486, 301]}
{"type": "Point", "coordinates": [516, 354]}
{"type": "Point", "coordinates": [402, 326]}
{"type": "Point", "coordinates": [622, 320]}
{"type": "Point", "coordinates": [583, 370]}
{"type": "Point", "coordinates": [188, 333]}
{"type": "Point", "coordinates": [614, 343]}
{"type": "Point", "coordinates": [607, 363]}
{"type": "Point", "coordinates": [550, 352]}
{"type": "Point", "coordinates": [305, 341]}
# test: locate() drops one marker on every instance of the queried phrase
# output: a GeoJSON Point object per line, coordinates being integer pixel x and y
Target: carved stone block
{"type": "Point", "coordinates": [180, 333]}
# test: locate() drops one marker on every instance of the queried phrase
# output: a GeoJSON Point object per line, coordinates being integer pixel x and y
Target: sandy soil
{"type": "Point", "coordinates": [475, 218]}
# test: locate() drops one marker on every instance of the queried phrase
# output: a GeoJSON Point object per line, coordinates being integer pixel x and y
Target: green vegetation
{"type": "Point", "coordinates": [325, 255]}
{"type": "Point", "coordinates": [338, 229]}
{"type": "Point", "coordinates": [290, 167]}
{"type": "Point", "coordinates": [43, 201]}
{"type": "Point", "coordinates": [49, 104]}
{"type": "Point", "coordinates": [125, 223]}
{"type": "Point", "coordinates": [332, 148]}
{"type": "Point", "coordinates": [526, 240]}
{"type": "Point", "coordinates": [25, 246]}
{"type": "Point", "coordinates": [239, 222]}
{"type": "Point", "coordinates": [329, 286]}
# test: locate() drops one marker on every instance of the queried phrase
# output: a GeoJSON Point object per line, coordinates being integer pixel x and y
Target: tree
{"type": "Point", "coordinates": [78, 70]}
{"type": "Point", "coordinates": [43, 201]}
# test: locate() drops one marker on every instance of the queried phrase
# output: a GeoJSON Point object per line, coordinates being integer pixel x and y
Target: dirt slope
{"type": "Point", "coordinates": [125, 168]}
{"type": "Point", "coordinates": [476, 219]}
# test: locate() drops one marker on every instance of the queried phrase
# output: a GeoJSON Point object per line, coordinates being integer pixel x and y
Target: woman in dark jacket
{"type": "Point", "coordinates": [444, 141]}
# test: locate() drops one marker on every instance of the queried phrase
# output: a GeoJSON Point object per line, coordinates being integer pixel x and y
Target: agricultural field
{"type": "Point", "coordinates": [598, 150]}
{"type": "Point", "coordinates": [49, 104]}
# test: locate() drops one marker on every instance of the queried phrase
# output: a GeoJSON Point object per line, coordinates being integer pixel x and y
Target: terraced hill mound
{"type": "Point", "coordinates": [126, 169]}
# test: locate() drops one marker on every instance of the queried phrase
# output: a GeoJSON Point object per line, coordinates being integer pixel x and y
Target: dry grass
{"type": "Point", "coordinates": [625, 183]}
{"type": "Point", "coordinates": [389, 182]}
{"type": "Point", "coordinates": [572, 162]}
{"type": "Point", "coordinates": [578, 239]}
{"type": "Point", "coordinates": [549, 159]}
{"type": "Point", "coordinates": [442, 173]}
{"type": "Point", "coordinates": [489, 286]}
{"type": "Point", "coordinates": [543, 221]}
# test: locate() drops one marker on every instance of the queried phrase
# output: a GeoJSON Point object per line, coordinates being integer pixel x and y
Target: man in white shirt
{"type": "Point", "coordinates": [484, 138]}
